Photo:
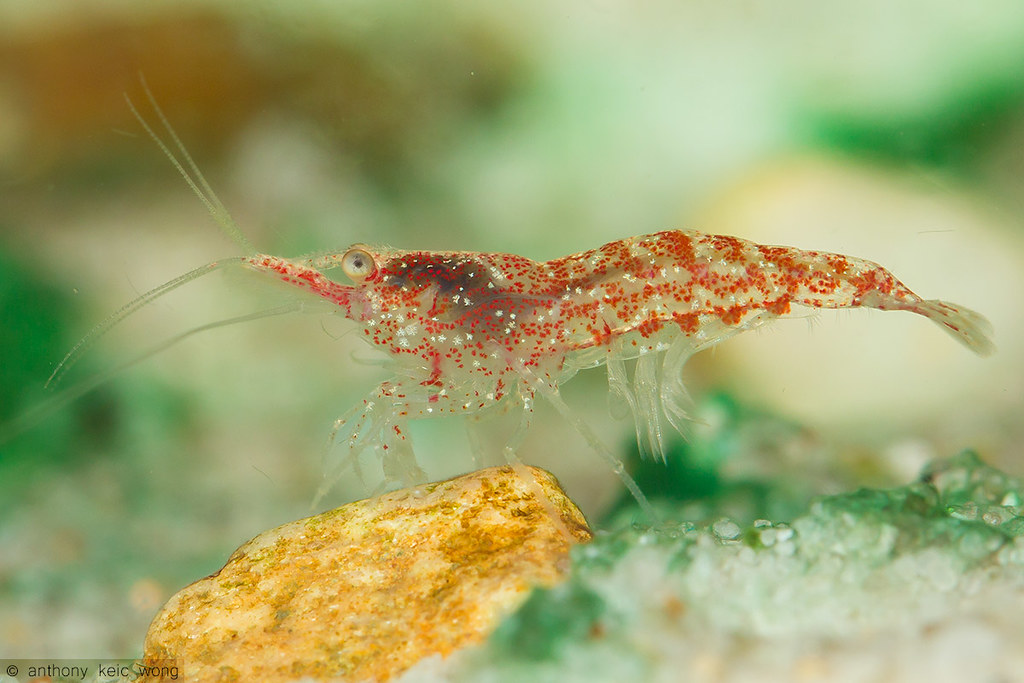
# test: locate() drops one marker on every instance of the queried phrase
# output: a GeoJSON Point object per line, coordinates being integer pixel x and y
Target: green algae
{"type": "Point", "coordinates": [970, 490]}
{"type": "Point", "coordinates": [37, 318]}
{"type": "Point", "coordinates": [958, 505]}
{"type": "Point", "coordinates": [735, 462]}
{"type": "Point", "coordinates": [953, 133]}
{"type": "Point", "coordinates": [549, 618]}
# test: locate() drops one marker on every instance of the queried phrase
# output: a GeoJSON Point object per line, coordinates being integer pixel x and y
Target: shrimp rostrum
{"type": "Point", "coordinates": [470, 331]}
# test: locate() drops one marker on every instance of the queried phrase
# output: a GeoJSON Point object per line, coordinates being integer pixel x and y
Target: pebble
{"type": "Point", "coordinates": [364, 591]}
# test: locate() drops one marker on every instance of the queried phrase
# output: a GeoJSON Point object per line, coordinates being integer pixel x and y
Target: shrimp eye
{"type": "Point", "coordinates": [358, 264]}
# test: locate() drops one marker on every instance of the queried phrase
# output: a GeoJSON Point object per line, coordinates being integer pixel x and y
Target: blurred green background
{"type": "Point", "coordinates": [889, 131]}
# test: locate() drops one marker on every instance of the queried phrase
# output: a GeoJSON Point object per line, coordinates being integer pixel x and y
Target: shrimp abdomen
{"type": "Point", "coordinates": [825, 280]}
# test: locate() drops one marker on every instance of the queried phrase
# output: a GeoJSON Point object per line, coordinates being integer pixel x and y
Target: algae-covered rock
{"type": "Point", "coordinates": [364, 591]}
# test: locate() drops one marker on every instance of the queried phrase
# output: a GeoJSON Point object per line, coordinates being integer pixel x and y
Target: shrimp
{"type": "Point", "coordinates": [468, 332]}
{"type": "Point", "coordinates": [470, 329]}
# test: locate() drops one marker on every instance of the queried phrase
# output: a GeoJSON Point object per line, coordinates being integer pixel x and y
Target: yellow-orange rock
{"type": "Point", "coordinates": [365, 591]}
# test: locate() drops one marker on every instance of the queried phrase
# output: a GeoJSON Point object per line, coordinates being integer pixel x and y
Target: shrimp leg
{"type": "Point", "coordinates": [549, 390]}
{"type": "Point", "coordinates": [381, 422]}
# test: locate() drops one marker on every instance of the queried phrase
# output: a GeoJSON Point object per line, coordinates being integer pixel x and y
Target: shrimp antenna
{"type": "Point", "coordinates": [33, 417]}
{"type": "Point", "coordinates": [190, 170]}
{"type": "Point", "coordinates": [86, 342]}
{"type": "Point", "coordinates": [201, 187]}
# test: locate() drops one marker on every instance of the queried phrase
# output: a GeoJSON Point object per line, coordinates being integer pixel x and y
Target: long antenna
{"type": "Point", "coordinates": [195, 180]}
{"type": "Point", "coordinates": [190, 171]}
{"type": "Point", "coordinates": [86, 342]}
{"type": "Point", "coordinates": [40, 412]}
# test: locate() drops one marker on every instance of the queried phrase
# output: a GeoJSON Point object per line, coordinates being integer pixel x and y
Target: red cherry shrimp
{"type": "Point", "coordinates": [467, 332]}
